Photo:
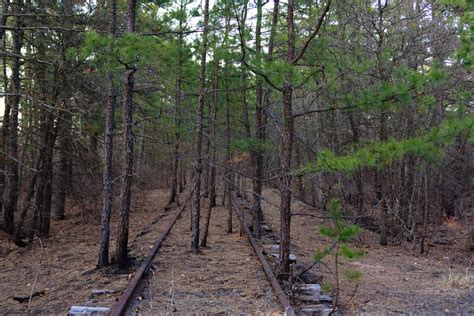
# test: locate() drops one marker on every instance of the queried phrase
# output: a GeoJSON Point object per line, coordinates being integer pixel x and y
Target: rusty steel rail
{"type": "Point", "coordinates": [280, 294]}
{"type": "Point", "coordinates": [133, 287]}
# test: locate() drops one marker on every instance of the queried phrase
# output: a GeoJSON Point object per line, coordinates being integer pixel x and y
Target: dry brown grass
{"type": "Point", "coordinates": [459, 280]}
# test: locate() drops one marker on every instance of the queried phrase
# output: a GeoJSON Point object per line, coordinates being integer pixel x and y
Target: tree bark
{"type": "Point", "coordinates": [230, 171]}
{"type": "Point", "coordinates": [11, 192]}
{"type": "Point", "coordinates": [383, 132]}
{"type": "Point", "coordinates": [64, 164]}
{"type": "Point", "coordinates": [230, 184]}
{"type": "Point", "coordinates": [3, 20]}
{"type": "Point", "coordinates": [121, 250]}
{"type": "Point", "coordinates": [243, 76]}
{"type": "Point", "coordinates": [107, 194]}
{"type": "Point", "coordinates": [30, 193]}
{"type": "Point", "coordinates": [65, 117]}
{"type": "Point", "coordinates": [177, 121]}
{"type": "Point", "coordinates": [212, 166]}
{"type": "Point", "coordinates": [383, 186]}
{"type": "Point", "coordinates": [266, 108]}
{"type": "Point", "coordinates": [6, 109]}
{"type": "Point", "coordinates": [358, 173]}
{"type": "Point", "coordinates": [198, 137]}
{"type": "Point", "coordinates": [42, 204]}
{"type": "Point", "coordinates": [287, 149]}
{"type": "Point", "coordinates": [299, 178]}
{"type": "Point", "coordinates": [256, 155]}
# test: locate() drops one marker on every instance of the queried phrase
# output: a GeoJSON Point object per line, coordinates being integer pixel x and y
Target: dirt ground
{"type": "Point", "coordinates": [394, 280]}
{"type": "Point", "coordinates": [63, 265]}
{"type": "Point", "coordinates": [225, 278]}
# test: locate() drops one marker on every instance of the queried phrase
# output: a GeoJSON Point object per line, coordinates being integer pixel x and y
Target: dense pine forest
{"type": "Point", "coordinates": [236, 157]}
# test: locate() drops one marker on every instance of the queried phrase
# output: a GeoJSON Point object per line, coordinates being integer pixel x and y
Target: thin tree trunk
{"type": "Point", "coordinates": [11, 192]}
{"type": "Point", "coordinates": [265, 110]}
{"type": "Point", "coordinates": [256, 154]}
{"type": "Point", "coordinates": [198, 137]}
{"type": "Point", "coordinates": [383, 136]}
{"type": "Point", "coordinates": [174, 176]}
{"type": "Point", "coordinates": [42, 203]}
{"type": "Point", "coordinates": [64, 164]}
{"type": "Point", "coordinates": [64, 118]}
{"type": "Point", "coordinates": [243, 76]}
{"type": "Point", "coordinates": [182, 177]}
{"type": "Point", "coordinates": [6, 109]}
{"type": "Point", "coordinates": [178, 83]}
{"type": "Point", "coordinates": [230, 172]}
{"type": "Point", "coordinates": [287, 149]}
{"type": "Point", "coordinates": [212, 193]}
{"type": "Point", "coordinates": [230, 184]}
{"type": "Point", "coordinates": [3, 19]}
{"type": "Point", "coordinates": [207, 155]}
{"type": "Point", "coordinates": [382, 178]}
{"type": "Point", "coordinates": [299, 178]}
{"type": "Point", "coordinates": [212, 175]}
{"type": "Point", "coordinates": [107, 194]}
{"type": "Point", "coordinates": [121, 251]}
{"type": "Point", "coordinates": [42, 206]}
{"type": "Point", "coordinates": [358, 173]}
{"type": "Point", "coordinates": [271, 43]}
{"type": "Point", "coordinates": [30, 193]}
{"type": "Point", "coordinates": [42, 211]}
{"type": "Point", "coordinates": [45, 209]}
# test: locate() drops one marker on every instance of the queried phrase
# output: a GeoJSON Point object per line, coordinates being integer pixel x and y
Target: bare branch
{"type": "Point", "coordinates": [313, 35]}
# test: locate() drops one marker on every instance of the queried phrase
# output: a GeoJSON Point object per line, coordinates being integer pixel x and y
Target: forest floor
{"type": "Point", "coordinates": [394, 278]}
{"type": "Point", "coordinates": [64, 265]}
{"type": "Point", "coordinates": [226, 277]}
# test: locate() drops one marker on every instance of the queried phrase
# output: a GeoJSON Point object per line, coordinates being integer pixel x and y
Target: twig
{"type": "Point", "coordinates": [36, 276]}
{"type": "Point", "coordinates": [353, 294]}
{"type": "Point", "coordinates": [311, 215]}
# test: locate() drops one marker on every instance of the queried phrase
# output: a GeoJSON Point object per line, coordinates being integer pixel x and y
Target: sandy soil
{"type": "Point", "coordinates": [225, 278]}
{"type": "Point", "coordinates": [394, 279]}
{"type": "Point", "coordinates": [63, 265]}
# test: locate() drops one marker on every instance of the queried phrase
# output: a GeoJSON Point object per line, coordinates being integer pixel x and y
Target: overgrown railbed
{"type": "Point", "coordinates": [394, 279]}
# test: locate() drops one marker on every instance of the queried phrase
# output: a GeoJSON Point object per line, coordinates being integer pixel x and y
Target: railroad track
{"type": "Point", "coordinates": [277, 289]}
{"type": "Point", "coordinates": [136, 285]}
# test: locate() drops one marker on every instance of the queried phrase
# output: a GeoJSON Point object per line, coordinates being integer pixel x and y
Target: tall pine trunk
{"type": "Point", "coordinates": [64, 163]}
{"type": "Point", "coordinates": [107, 194]}
{"type": "Point", "coordinates": [300, 193]}
{"type": "Point", "coordinates": [177, 122]}
{"type": "Point", "coordinates": [65, 117]}
{"type": "Point", "coordinates": [48, 95]}
{"type": "Point", "coordinates": [121, 250]}
{"type": "Point", "coordinates": [11, 192]}
{"type": "Point", "coordinates": [6, 109]}
{"type": "Point", "coordinates": [287, 149]}
{"type": "Point", "coordinates": [256, 154]}
{"type": "Point", "coordinates": [262, 129]}
{"type": "Point", "coordinates": [383, 132]}
{"type": "Point", "coordinates": [198, 137]}
{"type": "Point", "coordinates": [213, 155]}
{"type": "Point", "coordinates": [230, 173]}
